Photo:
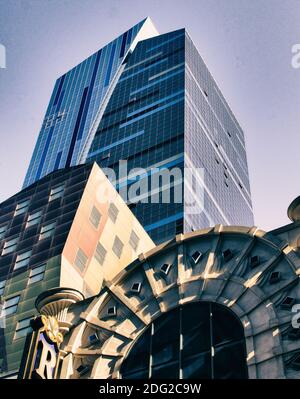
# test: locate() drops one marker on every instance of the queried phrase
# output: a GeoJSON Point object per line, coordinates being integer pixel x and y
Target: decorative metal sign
{"type": "Point", "coordinates": [41, 353]}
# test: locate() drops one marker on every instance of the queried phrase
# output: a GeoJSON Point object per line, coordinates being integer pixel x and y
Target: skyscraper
{"type": "Point", "coordinates": [77, 101]}
{"type": "Point", "coordinates": [167, 111]}
{"type": "Point", "coordinates": [160, 110]}
{"type": "Point", "coordinates": [147, 110]}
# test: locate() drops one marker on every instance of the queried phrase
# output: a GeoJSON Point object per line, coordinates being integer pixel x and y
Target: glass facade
{"type": "Point", "coordinates": [144, 124]}
{"type": "Point", "coordinates": [31, 249]}
{"type": "Point", "coordinates": [150, 101]}
{"type": "Point", "coordinates": [214, 142]}
{"type": "Point", "coordinates": [199, 340]}
{"type": "Point", "coordinates": [166, 111]}
{"type": "Point", "coordinates": [74, 105]}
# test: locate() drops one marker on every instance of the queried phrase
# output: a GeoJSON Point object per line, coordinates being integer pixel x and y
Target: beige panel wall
{"type": "Point", "coordinates": [99, 193]}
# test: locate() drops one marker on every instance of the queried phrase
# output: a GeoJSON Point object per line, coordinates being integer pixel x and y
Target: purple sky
{"type": "Point", "coordinates": [245, 43]}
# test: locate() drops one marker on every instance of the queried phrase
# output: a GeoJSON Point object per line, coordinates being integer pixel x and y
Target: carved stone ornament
{"type": "Point", "coordinates": [51, 328]}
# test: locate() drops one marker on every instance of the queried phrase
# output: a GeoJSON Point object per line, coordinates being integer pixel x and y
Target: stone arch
{"type": "Point", "coordinates": [231, 266]}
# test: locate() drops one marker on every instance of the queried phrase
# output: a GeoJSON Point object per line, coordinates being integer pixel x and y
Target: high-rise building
{"type": "Point", "coordinates": [69, 229]}
{"type": "Point", "coordinates": [159, 110]}
{"type": "Point", "coordinates": [78, 99]}
{"type": "Point", "coordinates": [167, 111]}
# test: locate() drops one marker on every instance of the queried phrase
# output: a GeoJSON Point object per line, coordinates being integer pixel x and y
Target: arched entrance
{"type": "Point", "coordinates": [197, 340]}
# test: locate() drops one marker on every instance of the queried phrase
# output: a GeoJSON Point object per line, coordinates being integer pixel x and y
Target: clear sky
{"type": "Point", "coordinates": [245, 43]}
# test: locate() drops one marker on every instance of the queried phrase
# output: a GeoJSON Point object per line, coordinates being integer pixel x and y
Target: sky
{"type": "Point", "coordinates": [246, 44]}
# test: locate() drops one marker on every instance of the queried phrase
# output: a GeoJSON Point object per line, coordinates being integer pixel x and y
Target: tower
{"type": "Point", "coordinates": [149, 101]}
{"type": "Point", "coordinates": [168, 117]}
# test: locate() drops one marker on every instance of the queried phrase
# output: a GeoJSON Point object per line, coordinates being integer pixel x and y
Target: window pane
{"type": "Point", "coordinates": [229, 362]}
{"type": "Point", "coordinates": [48, 227]}
{"type": "Point", "coordinates": [47, 230]}
{"type": "Point", "coordinates": [9, 311]}
{"type": "Point", "coordinates": [9, 250]}
{"type": "Point", "coordinates": [56, 192]}
{"type": "Point", "coordinates": [222, 330]}
{"type": "Point", "coordinates": [23, 327]}
{"type": "Point", "coordinates": [166, 371]}
{"type": "Point", "coordinates": [12, 301]}
{"type": "Point", "coordinates": [22, 260]}
{"type": "Point", "coordinates": [57, 189]}
{"type": "Point", "coordinates": [113, 212]}
{"type": "Point", "coordinates": [139, 357]}
{"type": "Point", "coordinates": [34, 215]}
{"type": "Point", "coordinates": [134, 240]}
{"type": "Point", "coordinates": [2, 231]}
{"type": "Point", "coordinates": [22, 207]}
{"type": "Point", "coordinates": [22, 263]}
{"type": "Point", "coordinates": [198, 366]}
{"type": "Point", "coordinates": [10, 306]}
{"type": "Point", "coordinates": [23, 256]}
{"type": "Point", "coordinates": [34, 218]}
{"type": "Point", "coordinates": [100, 253]}
{"type": "Point", "coordinates": [37, 270]}
{"type": "Point", "coordinates": [22, 333]}
{"type": "Point", "coordinates": [45, 235]}
{"type": "Point", "coordinates": [195, 329]}
{"type": "Point", "coordinates": [33, 222]}
{"type": "Point", "coordinates": [55, 196]}
{"type": "Point", "coordinates": [95, 217]}
{"type": "Point", "coordinates": [23, 323]}
{"type": "Point", "coordinates": [11, 242]}
{"type": "Point", "coordinates": [20, 211]}
{"type": "Point", "coordinates": [36, 278]}
{"type": "Point", "coordinates": [118, 247]}
{"type": "Point", "coordinates": [22, 204]}
{"type": "Point", "coordinates": [165, 342]}
{"type": "Point", "coordinates": [81, 259]}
